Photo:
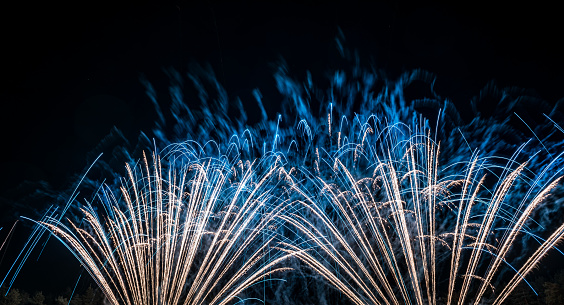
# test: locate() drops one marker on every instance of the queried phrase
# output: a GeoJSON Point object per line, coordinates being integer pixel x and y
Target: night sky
{"type": "Point", "coordinates": [71, 72]}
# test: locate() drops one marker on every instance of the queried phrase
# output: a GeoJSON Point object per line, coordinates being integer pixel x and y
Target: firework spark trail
{"type": "Point", "coordinates": [460, 229]}
{"type": "Point", "coordinates": [9, 235]}
{"type": "Point", "coordinates": [175, 239]}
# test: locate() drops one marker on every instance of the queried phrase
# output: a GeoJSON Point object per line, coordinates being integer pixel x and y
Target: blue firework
{"type": "Point", "coordinates": [373, 192]}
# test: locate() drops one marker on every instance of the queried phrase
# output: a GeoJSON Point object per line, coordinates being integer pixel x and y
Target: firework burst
{"type": "Point", "coordinates": [187, 235]}
{"type": "Point", "coordinates": [411, 233]}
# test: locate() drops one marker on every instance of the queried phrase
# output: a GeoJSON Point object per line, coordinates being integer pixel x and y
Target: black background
{"type": "Point", "coordinates": [71, 71]}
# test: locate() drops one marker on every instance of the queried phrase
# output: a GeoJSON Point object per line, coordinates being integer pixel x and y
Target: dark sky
{"type": "Point", "coordinates": [71, 72]}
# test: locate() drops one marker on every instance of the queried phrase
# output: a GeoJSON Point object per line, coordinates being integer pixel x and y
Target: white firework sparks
{"type": "Point", "coordinates": [183, 236]}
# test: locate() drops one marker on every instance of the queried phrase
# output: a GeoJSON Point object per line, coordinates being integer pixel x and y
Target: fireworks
{"type": "Point", "coordinates": [183, 236]}
{"type": "Point", "coordinates": [391, 237]}
{"type": "Point", "coordinates": [369, 199]}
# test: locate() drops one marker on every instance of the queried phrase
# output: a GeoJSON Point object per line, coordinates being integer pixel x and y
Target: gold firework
{"type": "Point", "coordinates": [379, 239]}
{"type": "Point", "coordinates": [188, 236]}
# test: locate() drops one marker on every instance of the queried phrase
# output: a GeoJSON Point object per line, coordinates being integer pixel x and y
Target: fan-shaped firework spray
{"type": "Point", "coordinates": [383, 238]}
{"type": "Point", "coordinates": [391, 199]}
{"type": "Point", "coordinates": [188, 235]}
